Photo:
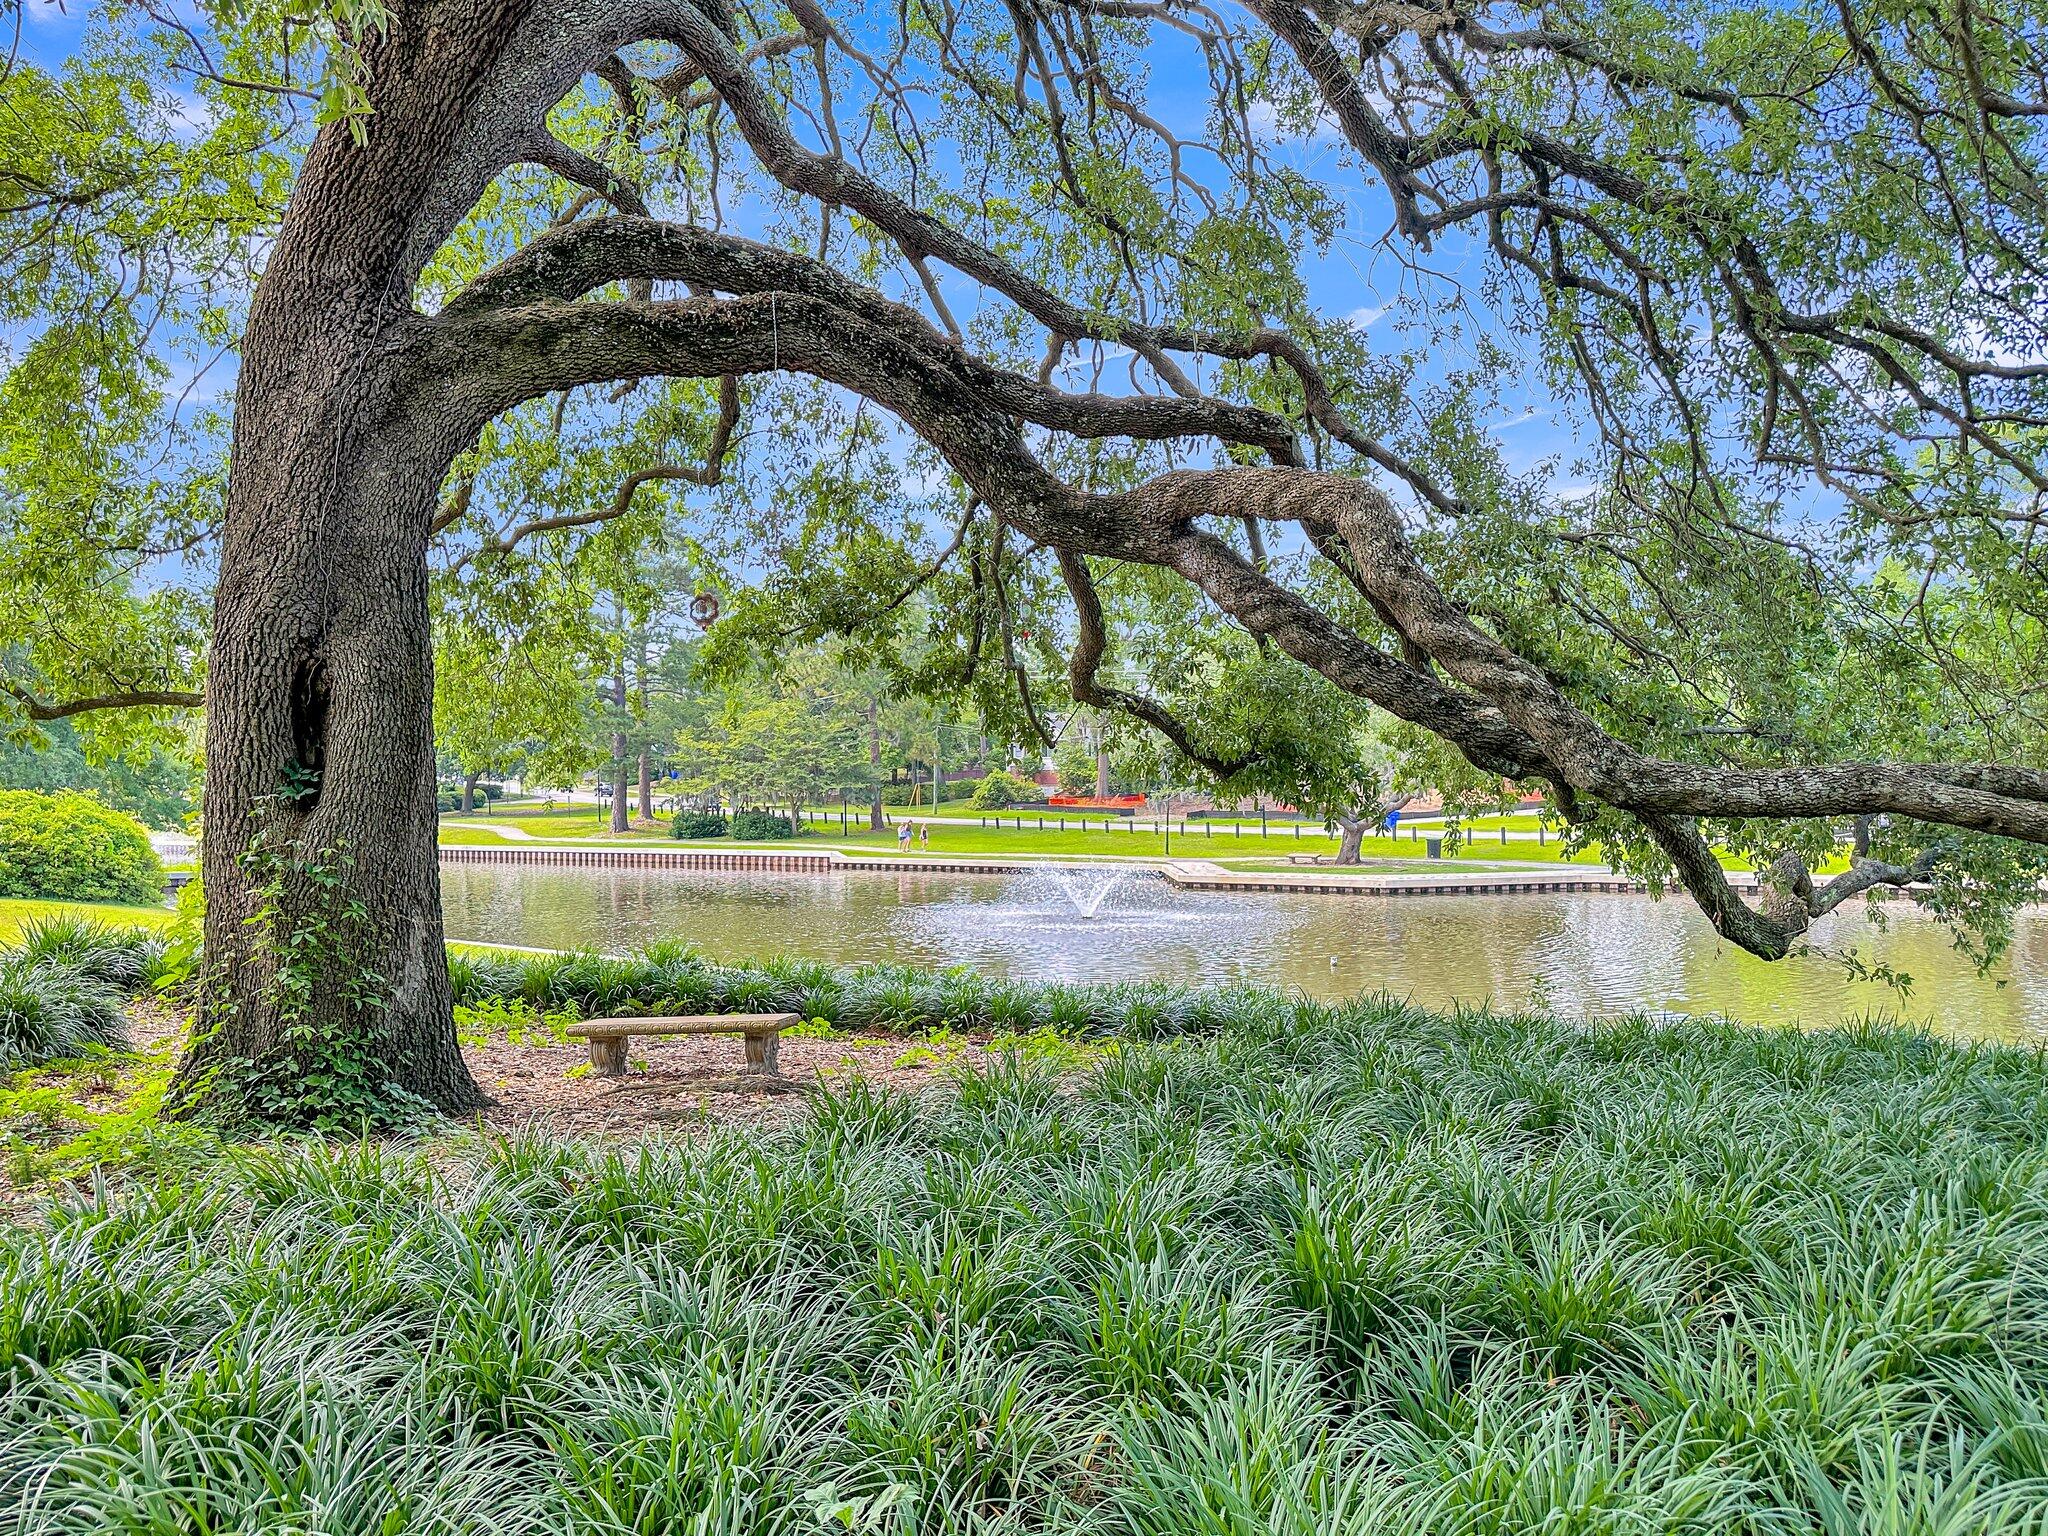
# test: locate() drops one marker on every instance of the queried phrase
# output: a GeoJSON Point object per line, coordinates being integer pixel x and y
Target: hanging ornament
{"type": "Point", "coordinates": [704, 609]}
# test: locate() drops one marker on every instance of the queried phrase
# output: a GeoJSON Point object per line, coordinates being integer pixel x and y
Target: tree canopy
{"type": "Point", "coordinates": [1088, 323]}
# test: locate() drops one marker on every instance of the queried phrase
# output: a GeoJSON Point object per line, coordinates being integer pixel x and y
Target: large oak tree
{"type": "Point", "coordinates": [1786, 262]}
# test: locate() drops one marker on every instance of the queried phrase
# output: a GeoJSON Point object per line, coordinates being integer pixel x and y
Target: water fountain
{"type": "Point", "coordinates": [1087, 886]}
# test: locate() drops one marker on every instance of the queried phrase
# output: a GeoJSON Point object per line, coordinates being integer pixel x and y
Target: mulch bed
{"type": "Point", "coordinates": [672, 1083]}
{"type": "Point", "coordinates": [680, 1080]}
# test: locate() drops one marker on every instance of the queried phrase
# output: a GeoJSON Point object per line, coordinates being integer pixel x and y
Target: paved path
{"type": "Point", "coordinates": [1202, 875]}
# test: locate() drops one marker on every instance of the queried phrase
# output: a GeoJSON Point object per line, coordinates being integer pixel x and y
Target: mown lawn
{"type": "Point", "coordinates": [1119, 839]}
{"type": "Point", "coordinates": [16, 914]}
{"type": "Point", "coordinates": [1351, 1271]}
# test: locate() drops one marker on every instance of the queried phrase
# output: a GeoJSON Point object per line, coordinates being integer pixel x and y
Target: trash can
{"type": "Point", "coordinates": [1434, 846]}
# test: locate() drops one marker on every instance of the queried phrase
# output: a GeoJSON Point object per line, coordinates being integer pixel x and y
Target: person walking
{"type": "Point", "coordinates": [903, 834]}
{"type": "Point", "coordinates": [924, 836]}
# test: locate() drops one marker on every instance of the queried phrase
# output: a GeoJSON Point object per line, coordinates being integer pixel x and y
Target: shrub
{"type": "Point", "coordinates": [491, 791]}
{"type": "Point", "coordinates": [693, 824]}
{"type": "Point", "coordinates": [760, 826]}
{"type": "Point", "coordinates": [178, 962]}
{"type": "Point", "coordinates": [50, 1011]}
{"type": "Point", "coordinates": [68, 847]}
{"type": "Point", "coordinates": [447, 800]}
{"type": "Point", "coordinates": [1002, 789]}
{"type": "Point", "coordinates": [921, 792]}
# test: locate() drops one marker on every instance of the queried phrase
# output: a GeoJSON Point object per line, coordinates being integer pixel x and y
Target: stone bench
{"type": "Point", "coordinates": [1308, 858]}
{"type": "Point", "coordinates": [608, 1037]}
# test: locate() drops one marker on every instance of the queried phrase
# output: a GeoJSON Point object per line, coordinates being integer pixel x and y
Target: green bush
{"type": "Point", "coordinates": [896, 999]}
{"type": "Point", "coordinates": [491, 791]}
{"type": "Point", "coordinates": [761, 826]}
{"type": "Point", "coordinates": [50, 1011]}
{"type": "Point", "coordinates": [921, 792]}
{"type": "Point", "coordinates": [1002, 789]}
{"type": "Point", "coordinates": [68, 847]}
{"type": "Point", "coordinates": [697, 824]}
{"type": "Point", "coordinates": [178, 964]}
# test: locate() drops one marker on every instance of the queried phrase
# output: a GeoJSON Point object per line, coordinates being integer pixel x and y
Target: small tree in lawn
{"type": "Point", "coordinates": [771, 749]}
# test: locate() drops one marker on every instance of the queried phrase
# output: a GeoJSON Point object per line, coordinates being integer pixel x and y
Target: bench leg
{"type": "Point", "coordinates": [764, 1054]}
{"type": "Point", "coordinates": [609, 1056]}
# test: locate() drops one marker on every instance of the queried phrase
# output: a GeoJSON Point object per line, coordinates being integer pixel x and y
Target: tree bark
{"type": "Point", "coordinates": [469, 791]}
{"type": "Point", "coordinates": [876, 819]}
{"type": "Point", "coordinates": [1352, 830]}
{"type": "Point", "coordinates": [618, 823]}
{"type": "Point", "coordinates": [323, 940]}
{"type": "Point", "coordinates": [326, 977]}
{"type": "Point", "coordinates": [640, 721]}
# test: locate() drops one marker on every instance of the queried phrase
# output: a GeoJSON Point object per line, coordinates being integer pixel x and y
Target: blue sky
{"type": "Point", "coordinates": [1357, 278]}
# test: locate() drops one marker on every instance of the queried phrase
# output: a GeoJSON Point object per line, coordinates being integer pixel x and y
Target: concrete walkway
{"type": "Point", "coordinates": [1202, 875]}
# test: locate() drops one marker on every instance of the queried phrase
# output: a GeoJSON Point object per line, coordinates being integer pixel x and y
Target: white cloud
{"type": "Point", "coordinates": [1533, 413]}
{"type": "Point", "coordinates": [1364, 316]}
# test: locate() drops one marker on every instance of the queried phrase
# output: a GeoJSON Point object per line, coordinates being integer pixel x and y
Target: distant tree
{"type": "Point", "coordinates": [156, 784]}
{"type": "Point", "coordinates": [773, 743]}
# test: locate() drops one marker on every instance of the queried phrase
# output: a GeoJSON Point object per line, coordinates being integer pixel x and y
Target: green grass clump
{"type": "Point", "coordinates": [62, 984]}
{"type": "Point", "coordinates": [50, 1012]}
{"type": "Point", "coordinates": [1339, 1270]}
{"type": "Point", "coordinates": [124, 958]}
{"type": "Point", "coordinates": [885, 999]}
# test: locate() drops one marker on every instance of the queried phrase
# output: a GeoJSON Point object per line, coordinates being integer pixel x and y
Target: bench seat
{"type": "Point", "coordinates": [763, 1032]}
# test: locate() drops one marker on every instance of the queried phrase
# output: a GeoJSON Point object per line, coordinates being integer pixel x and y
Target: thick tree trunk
{"type": "Point", "coordinates": [469, 791]}
{"type": "Point", "coordinates": [326, 979]}
{"type": "Point", "coordinates": [646, 789]}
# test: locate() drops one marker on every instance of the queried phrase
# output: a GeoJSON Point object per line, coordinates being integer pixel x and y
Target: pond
{"type": "Point", "coordinates": [1579, 955]}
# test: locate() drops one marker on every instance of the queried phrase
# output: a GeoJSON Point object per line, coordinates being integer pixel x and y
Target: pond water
{"type": "Point", "coordinates": [1580, 955]}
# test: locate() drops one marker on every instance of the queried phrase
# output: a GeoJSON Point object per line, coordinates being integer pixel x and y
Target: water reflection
{"type": "Point", "coordinates": [1578, 954]}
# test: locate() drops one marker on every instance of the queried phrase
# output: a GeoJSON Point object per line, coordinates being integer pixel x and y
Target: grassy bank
{"type": "Point", "coordinates": [1326, 1271]}
{"type": "Point", "coordinates": [1119, 839]}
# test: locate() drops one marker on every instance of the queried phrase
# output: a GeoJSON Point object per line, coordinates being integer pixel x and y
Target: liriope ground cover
{"type": "Point", "coordinates": [894, 999]}
{"type": "Point", "coordinates": [1328, 1270]}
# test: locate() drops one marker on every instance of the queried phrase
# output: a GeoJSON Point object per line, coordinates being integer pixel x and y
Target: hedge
{"type": "Point", "coordinates": [1003, 789]}
{"type": "Point", "coordinates": [68, 847]}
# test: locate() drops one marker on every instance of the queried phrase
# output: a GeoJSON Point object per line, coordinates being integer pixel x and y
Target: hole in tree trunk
{"type": "Point", "coordinates": [309, 731]}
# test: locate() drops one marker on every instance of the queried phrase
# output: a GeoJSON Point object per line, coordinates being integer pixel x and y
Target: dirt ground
{"type": "Point", "coordinates": [681, 1080]}
{"type": "Point", "coordinates": [672, 1081]}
